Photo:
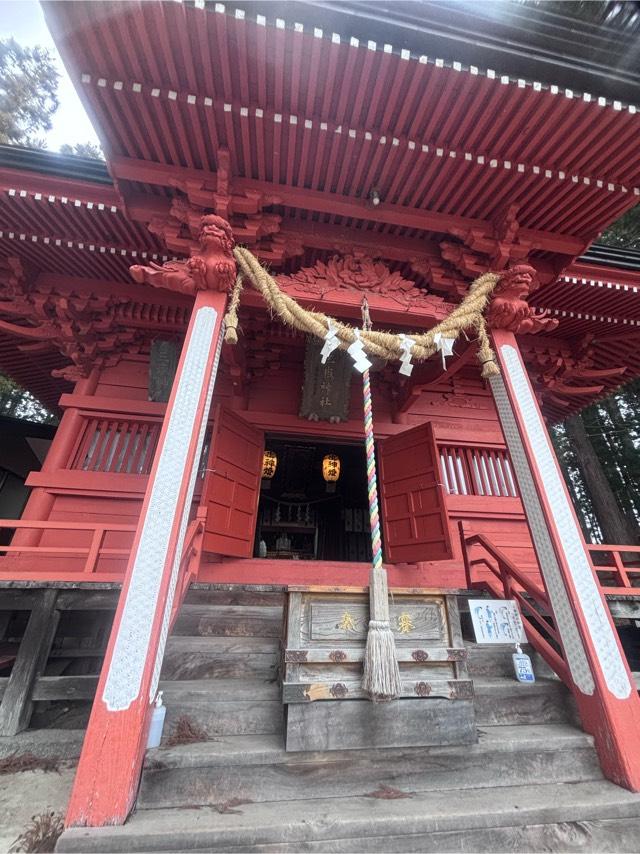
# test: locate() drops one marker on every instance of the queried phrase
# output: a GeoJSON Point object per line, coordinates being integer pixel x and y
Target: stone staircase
{"type": "Point", "coordinates": [531, 783]}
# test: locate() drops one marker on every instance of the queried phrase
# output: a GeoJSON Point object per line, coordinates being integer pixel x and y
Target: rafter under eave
{"type": "Point", "coordinates": [318, 201]}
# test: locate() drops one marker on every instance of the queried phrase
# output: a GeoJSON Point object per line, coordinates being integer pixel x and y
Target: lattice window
{"type": "Point", "coordinates": [120, 447]}
{"type": "Point", "coordinates": [477, 471]}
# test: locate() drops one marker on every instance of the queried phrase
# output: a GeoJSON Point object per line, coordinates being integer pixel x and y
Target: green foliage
{"type": "Point", "coordinates": [28, 93]}
{"type": "Point", "coordinates": [613, 428]}
{"type": "Point", "coordinates": [16, 402]}
{"type": "Point", "coordinates": [83, 149]}
{"type": "Point", "coordinates": [625, 232]}
{"type": "Point", "coordinates": [576, 485]}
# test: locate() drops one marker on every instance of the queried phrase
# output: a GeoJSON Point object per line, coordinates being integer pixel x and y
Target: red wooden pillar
{"type": "Point", "coordinates": [107, 779]}
{"type": "Point", "coordinates": [602, 684]}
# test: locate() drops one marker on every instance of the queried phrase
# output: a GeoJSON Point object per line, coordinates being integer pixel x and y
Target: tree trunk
{"type": "Point", "coordinates": [616, 527]}
{"type": "Point", "coordinates": [575, 484]}
{"type": "Point", "coordinates": [600, 431]}
{"type": "Point", "coordinates": [629, 456]}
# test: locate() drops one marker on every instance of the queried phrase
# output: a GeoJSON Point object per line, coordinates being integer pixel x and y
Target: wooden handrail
{"type": "Point", "coordinates": [532, 589]}
{"type": "Point", "coordinates": [49, 525]}
{"type": "Point", "coordinates": [94, 551]}
{"type": "Point", "coordinates": [189, 561]}
{"type": "Point", "coordinates": [113, 406]}
{"type": "Point", "coordinates": [619, 569]}
{"type": "Point", "coordinates": [512, 584]}
{"type": "Point", "coordinates": [607, 547]}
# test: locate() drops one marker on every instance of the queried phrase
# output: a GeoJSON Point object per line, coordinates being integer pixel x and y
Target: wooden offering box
{"type": "Point", "coordinates": [325, 636]}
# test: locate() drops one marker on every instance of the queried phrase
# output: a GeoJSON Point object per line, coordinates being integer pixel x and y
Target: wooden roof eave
{"type": "Point", "coordinates": [112, 72]}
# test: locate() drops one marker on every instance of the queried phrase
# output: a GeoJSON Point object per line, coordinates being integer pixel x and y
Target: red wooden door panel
{"type": "Point", "coordinates": [232, 487]}
{"type": "Point", "coordinates": [414, 516]}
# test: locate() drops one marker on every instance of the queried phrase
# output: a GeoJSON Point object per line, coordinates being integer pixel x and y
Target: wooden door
{"type": "Point", "coordinates": [232, 486]}
{"type": "Point", "coordinates": [414, 517]}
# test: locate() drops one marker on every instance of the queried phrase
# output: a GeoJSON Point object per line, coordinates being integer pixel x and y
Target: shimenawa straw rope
{"type": "Point", "coordinates": [468, 315]}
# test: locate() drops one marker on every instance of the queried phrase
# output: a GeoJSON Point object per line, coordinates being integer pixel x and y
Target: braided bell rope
{"type": "Point", "coordinates": [372, 478]}
{"type": "Point", "coordinates": [468, 315]}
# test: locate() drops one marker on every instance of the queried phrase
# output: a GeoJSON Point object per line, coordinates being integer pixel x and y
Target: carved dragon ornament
{"type": "Point", "coordinates": [211, 266]}
{"type": "Point", "coordinates": [509, 309]}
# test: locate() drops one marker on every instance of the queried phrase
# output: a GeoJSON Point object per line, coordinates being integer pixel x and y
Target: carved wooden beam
{"type": "Point", "coordinates": [413, 390]}
{"type": "Point", "coordinates": [88, 327]}
{"type": "Point", "coordinates": [574, 390]}
{"type": "Point", "coordinates": [595, 373]}
{"type": "Point", "coordinates": [332, 203]}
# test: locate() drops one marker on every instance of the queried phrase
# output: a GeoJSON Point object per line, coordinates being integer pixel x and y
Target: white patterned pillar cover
{"type": "Point", "coordinates": [108, 773]}
{"type": "Point", "coordinates": [607, 700]}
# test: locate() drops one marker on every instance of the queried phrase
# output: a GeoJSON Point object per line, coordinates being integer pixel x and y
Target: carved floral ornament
{"type": "Point", "coordinates": [212, 266]}
{"type": "Point", "coordinates": [356, 271]}
{"type": "Point", "coordinates": [89, 327]}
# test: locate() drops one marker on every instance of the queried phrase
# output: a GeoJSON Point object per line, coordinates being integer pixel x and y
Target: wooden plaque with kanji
{"type": "Point", "coordinates": [326, 389]}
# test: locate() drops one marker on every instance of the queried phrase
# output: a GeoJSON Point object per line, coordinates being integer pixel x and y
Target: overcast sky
{"type": "Point", "coordinates": [23, 19]}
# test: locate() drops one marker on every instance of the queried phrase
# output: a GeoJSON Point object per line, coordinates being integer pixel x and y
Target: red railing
{"type": "Point", "coordinates": [617, 568]}
{"type": "Point", "coordinates": [504, 581]}
{"type": "Point", "coordinates": [117, 446]}
{"type": "Point", "coordinates": [190, 561]}
{"type": "Point", "coordinates": [92, 551]}
{"type": "Point", "coordinates": [87, 556]}
{"type": "Point", "coordinates": [477, 471]}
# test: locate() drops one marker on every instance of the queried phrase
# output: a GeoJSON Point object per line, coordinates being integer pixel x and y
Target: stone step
{"type": "Point", "coordinates": [220, 657]}
{"type": "Point", "coordinates": [496, 660]}
{"type": "Point", "coordinates": [229, 621]}
{"type": "Point", "coordinates": [53, 743]}
{"type": "Point", "coordinates": [504, 701]}
{"type": "Point", "coordinates": [253, 706]}
{"type": "Point", "coordinates": [224, 706]}
{"type": "Point", "coordinates": [257, 768]}
{"type": "Point", "coordinates": [234, 595]}
{"type": "Point", "coordinates": [494, 819]}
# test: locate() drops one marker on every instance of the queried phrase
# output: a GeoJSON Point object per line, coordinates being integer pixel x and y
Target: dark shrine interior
{"type": "Point", "coordinates": [303, 517]}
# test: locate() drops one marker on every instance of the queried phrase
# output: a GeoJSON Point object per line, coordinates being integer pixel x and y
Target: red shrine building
{"type": "Point", "coordinates": [200, 522]}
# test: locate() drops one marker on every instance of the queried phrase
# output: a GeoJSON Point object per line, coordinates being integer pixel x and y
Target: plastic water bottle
{"type": "Point", "coordinates": [522, 666]}
{"type": "Point", "coordinates": [157, 722]}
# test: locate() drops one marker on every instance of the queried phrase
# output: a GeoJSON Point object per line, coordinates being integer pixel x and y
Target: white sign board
{"type": "Point", "coordinates": [496, 621]}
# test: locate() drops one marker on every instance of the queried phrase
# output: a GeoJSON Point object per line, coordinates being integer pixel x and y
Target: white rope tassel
{"type": "Point", "coordinates": [381, 677]}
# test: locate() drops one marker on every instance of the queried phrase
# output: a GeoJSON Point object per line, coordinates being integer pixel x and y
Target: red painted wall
{"type": "Point", "coordinates": [462, 410]}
